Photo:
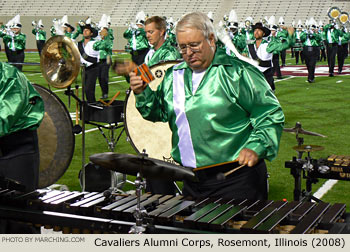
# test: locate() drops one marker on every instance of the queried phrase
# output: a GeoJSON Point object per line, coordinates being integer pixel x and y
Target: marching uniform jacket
{"type": "Point", "coordinates": [40, 34]}
{"type": "Point", "coordinates": [267, 49]}
{"type": "Point", "coordinates": [14, 42]}
{"type": "Point", "coordinates": [310, 39]}
{"type": "Point", "coordinates": [165, 52]}
{"type": "Point", "coordinates": [88, 54]}
{"type": "Point", "coordinates": [332, 34]}
{"type": "Point", "coordinates": [223, 116]}
{"type": "Point", "coordinates": [137, 38]}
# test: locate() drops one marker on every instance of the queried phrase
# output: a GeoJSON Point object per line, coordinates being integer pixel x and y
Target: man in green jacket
{"type": "Point", "coordinates": [15, 43]}
{"type": "Point", "coordinates": [219, 108]}
{"type": "Point", "coordinates": [40, 35]}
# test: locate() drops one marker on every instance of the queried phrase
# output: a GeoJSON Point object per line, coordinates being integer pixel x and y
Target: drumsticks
{"type": "Point", "coordinates": [214, 165]}
{"type": "Point", "coordinates": [221, 176]}
{"type": "Point", "coordinates": [111, 101]}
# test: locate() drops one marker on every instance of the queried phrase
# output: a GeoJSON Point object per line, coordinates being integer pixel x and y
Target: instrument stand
{"type": "Point", "coordinates": [299, 169]}
{"type": "Point", "coordinates": [112, 142]}
{"type": "Point", "coordinates": [139, 213]}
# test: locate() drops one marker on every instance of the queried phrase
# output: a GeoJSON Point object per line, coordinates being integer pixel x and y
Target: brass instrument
{"type": "Point", "coordinates": [334, 13]}
{"type": "Point", "coordinates": [60, 61]}
{"type": "Point", "coordinates": [344, 17]}
{"type": "Point", "coordinates": [247, 23]}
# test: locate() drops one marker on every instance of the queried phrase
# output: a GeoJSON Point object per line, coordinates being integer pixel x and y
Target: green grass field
{"type": "Point", "coordinates": [321, 107]}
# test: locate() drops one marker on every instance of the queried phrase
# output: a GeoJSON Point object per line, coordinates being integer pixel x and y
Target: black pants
{"type": "Point", "coordinates": [310, 54]}
{"type": "Point", "coordinates": [103, 76]}
{"type": "Point", "coordinates": [19, 158]}
{"type": "Point", "coordinates": [91, 74]}
{"type": "Point", "coordinates": [331, 52]}
{"type": "Point", "coordinates": [283, 57]}
{"type": "Point", "coordinates": [297, 54]}
{"type": "Point", "coordinates": [245, 183]}
{"type": "Point", "coordinates": [139, 56]}
{"type": "Point", "coordinates": [276, 65]}
{"type": "Point", "coordinates": [342, 53]}
{"type": "Point", "coordinates": [269, 78]}
{"type": "Point", "coordinates": [40, 44]}
{"type": "Point", "coordinates": [323, 54]}
{"type": "Point", "coordinates": [16, 57]}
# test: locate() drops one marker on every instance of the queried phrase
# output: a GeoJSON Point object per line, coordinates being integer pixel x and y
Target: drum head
{"type": "Point", "coordinates": [155, 138]}
{"type": "Point", "coordinates": [56, 138]}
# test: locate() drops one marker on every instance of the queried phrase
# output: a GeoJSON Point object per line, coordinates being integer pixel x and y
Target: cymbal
{"type": "Point", "coordinates": [149, 167]}
{"type": "Point", "coordinates": [308, 148]}
{"type": "Point", "coordinates": [299, 130]}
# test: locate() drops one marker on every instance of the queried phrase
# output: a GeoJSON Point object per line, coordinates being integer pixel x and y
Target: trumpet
{"type": "Point", "coordinates": [247, 23]}
{"type": "Point", "coordinates": [34, 23]}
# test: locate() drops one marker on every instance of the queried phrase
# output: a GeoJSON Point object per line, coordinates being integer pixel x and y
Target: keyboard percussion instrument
{"type": "Point", "coordinates": [106, 212]}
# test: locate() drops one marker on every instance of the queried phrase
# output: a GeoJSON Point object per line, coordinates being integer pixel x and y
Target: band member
{"type": "Point", "coordinates": [89, 57]}
{"type": "Point", "coordinates": [105, 46]}
{"type": "Point", "coordinates": [68, 28]}
{"type": "Point", "coordinates": [238, 39]}
{"type": "Point", "coordinates": [40, 35]}
{"type": "Point", "coordinates": [311, 41]}
{"type": "Point", "coordinates": [263, 51]}
{"type": "Point", "coordinates": [276, 56]}
{"type": "Point", "coordinates": [298, 45]}
{"type": "Point", "coordinates": [137, 40]}
{"type": "Point", "coordinates": [22, 110]}
{"type": "Point", "coordinates": [342, 52]}
{"type": "Point", "coordinates": [161, 50]}
{"type": "Point", "coordinates": [332, 33]}
{"type": "Point", "coordinates": [15, 41]}
{"type": "Point", "coordinates": [248, 31]}
{"type": "Point", "coordinates": [282, 35]}
{"type": "Point", "coordinates": [219, 108]}
{"type": "Point", "coordinates": [323, 43]}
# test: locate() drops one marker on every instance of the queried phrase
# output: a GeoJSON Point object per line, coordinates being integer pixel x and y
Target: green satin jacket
{"type": "Point", "coordinates": [18, 42]}
{"type": "Point", "coordinates": [164, 53]}
{"type": "Point", "coordinates": [308, 39]}
{"type": "Point", "coordinates": [335, 33]}
{"type": "Point", "coordinates": [39, 34]}
{"type": "Point", "coordinates": [104, 46]}
{"type": "Point", "coordinates": [233, 108]}
{"type": "Point", "coordinates": [137, 39]}
{"type": "Point", "coordinates": [21, 106]}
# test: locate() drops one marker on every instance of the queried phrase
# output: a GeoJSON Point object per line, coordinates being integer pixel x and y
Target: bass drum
{"type": "Point", "coordinates": [56, 138]}
{"type": "Point", "coordinates": [153, 137]}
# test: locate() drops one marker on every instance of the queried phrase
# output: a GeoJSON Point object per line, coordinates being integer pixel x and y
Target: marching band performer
{"type": "Point", "coordinates": [170, 35]}
{"type": "Point", "coordinates": [105, 46]}
{"type": "Point", "coordinates": [311, 41]}
{"type": "Point", "coordinates": [282, 34]}
{"type": "Point", "coordinates": [40, 35]}
{"type": "Point", "coordinates": [248, 31]}
{"type": "Point", "coordinates": [298, 45]}
{"type": "Point", "coordinates": [262, 50]}
{"type": "Point", "coordinates": [89, 56]}
{"type": "Point", "coordinates": [218, 108]}
{"type": "Point", "coordinates": [161, 50]}
{"type": "Point", "coordinates": [342, 52]}
{"type": "Point", "coordinates": [69, 29]}
{"type": "Point", "coordinates": [137, 40]}
{"type": "Point", "coordinates": [332, 33]}
{"type": "Point", "coordinates": [323, 43]}
{"type": "Point", "coordinates": [238, 39]}
{"type": "Point", "coordinates": [15, 41]}
{"type": "Point", "coordinates": [276, 56]}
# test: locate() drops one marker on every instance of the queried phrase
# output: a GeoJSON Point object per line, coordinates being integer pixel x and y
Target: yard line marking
{"type": "Point", "coordinates": [325, 188]}
{"type": "Point", "coordinates": [34, 74]}
{"type": "Point", "coordinates": [288, 78]}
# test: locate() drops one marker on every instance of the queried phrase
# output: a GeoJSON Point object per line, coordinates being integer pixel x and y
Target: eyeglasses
{"type": "Point", "coordinates": [194, 47]}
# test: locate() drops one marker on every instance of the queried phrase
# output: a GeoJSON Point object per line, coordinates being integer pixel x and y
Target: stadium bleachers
{"type": "Point", "coordinates": [123, 11]}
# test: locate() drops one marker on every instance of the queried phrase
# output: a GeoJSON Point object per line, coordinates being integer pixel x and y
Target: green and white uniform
{"type": "Point", "coordinates": [215, 115]}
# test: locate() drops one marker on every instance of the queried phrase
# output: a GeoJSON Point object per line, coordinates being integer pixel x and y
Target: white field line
{"type": "Point", "coordinates": [63, 90]}
{"type": "Point", "coordinates": [325, 188]}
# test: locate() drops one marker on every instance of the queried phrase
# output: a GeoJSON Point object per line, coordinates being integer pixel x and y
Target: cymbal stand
{"type": "Point", "coordinates": [140, 212]}
{"type": "Point", "coordinates": [83, 126]}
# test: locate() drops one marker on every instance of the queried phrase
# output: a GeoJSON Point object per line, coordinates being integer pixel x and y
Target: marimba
{"type": "Point", "coordinates": [95, 212]}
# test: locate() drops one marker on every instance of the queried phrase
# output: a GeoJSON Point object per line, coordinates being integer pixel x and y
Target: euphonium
{"type": "Point", "coordinates": [344, 17]}
{"type": "Point", "coordinates": [334, 13]}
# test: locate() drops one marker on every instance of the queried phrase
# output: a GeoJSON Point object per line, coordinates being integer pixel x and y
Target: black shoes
{"type": "Point", "coordinates": [331, 75]}
{"type": "Point", "coordinates": [311, 81]}
{"type": "Point", "coordinates": [104, 96]}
